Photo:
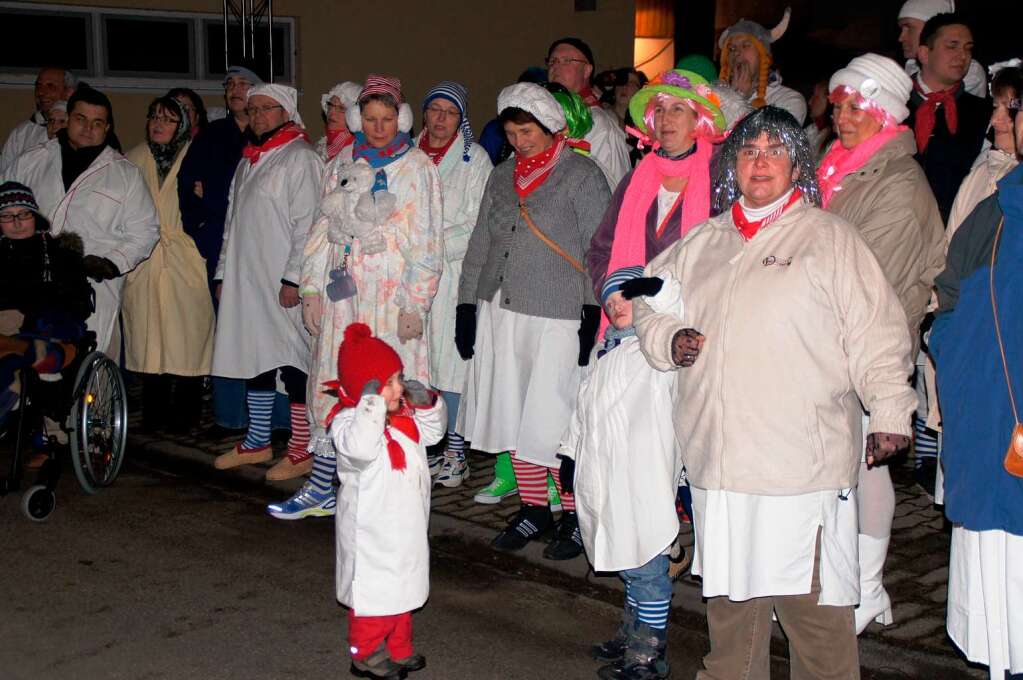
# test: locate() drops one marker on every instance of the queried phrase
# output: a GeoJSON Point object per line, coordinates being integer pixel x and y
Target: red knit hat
{"type": "Point", "coordinates": [362, 358]}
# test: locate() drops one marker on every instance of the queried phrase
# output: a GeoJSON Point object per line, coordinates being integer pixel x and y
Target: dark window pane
{"type": "Point", "coordinates": [281, 49]}
{"type": "Point", "coordinates": [148, 46]}
{"type": "Point", "coordinates": [31, 41]}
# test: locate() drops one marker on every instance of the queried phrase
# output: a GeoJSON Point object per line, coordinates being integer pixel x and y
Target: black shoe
{"type": "Point", "coordinates": [568, 541]}
{"type": "Point", "coordinates": [645, 657]}
{"type": "Point", "coordinates": [529, 523]}
{"type": "Point", "coordinates": [614, 649]}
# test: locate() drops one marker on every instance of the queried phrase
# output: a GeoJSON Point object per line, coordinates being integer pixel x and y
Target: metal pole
{"type": "Point", "coordinates": [227, 57]}
{"type": "Point", "coordinates": [270, 35]}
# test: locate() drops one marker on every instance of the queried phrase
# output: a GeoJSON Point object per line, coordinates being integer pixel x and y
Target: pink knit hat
{"type": "Point", "coordinates": [379, 84]}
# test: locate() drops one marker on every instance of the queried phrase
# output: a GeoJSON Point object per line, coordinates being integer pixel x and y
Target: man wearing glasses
{"type": "Point", "coordinates": [52, 85]}
{"type": "Point", "coordinates": [570, 63]}
{"type": "Point", "coordinates": [83, 185]}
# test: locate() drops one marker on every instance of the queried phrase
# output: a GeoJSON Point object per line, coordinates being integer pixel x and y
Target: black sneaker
{"type": "Point", "coordinates": [529, 523]}
{"type": "Point", "coordinates": [568, 541]}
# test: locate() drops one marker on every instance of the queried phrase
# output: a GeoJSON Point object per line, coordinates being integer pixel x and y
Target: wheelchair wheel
{"type": "Point", "coordinates": [98, 424]}
{"type": "Point", "coordinates": [38, 502]}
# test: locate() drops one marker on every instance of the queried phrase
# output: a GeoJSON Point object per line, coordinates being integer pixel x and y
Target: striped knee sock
{"type": "Point", "coordinates": [323, 473]}
{"type": "Point", "coordinates": [567, 499]}
{"type": "Point", "coordinates": [532, 481]}
{"type": "Point", "coordinates": [261, 404]}
{"type": "Point", "coordinates": [299, 441]}
{"type": "Point", "coordinates": [653, 613]}
{"type": "Point", "coordinates": [926, 445]}
{"type": "Point", "coordinates": [456, 446]}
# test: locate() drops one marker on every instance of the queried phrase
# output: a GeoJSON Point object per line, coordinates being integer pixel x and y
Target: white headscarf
{"type": "Point", "coordinates": [535, 100]}
{"type": "Point", "coordinates": [348, 92]}
{"type": "Point", "coordinates": [284, 95]}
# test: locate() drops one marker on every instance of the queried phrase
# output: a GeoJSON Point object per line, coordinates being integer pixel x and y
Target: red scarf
{"type": "Point", "coordinates": [749, 229]}
{"type": "Point", "coordinates": [531, 172]}
{"type": "Point", "coordinates": [436, 154]}
{"type": "Point", "coordinates": [338, 140]}
{"type": "Point", "coordinates": [284, 134]}
{"type": "Point", "coordinates": [403, 421]}
{"type": "Point", "coordinates": [927, 113]}
{"type": "Point", "coordinates": [588, 96]}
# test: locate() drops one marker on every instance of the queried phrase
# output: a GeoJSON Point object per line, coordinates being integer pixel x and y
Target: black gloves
{"type": "Point", "coordinates": [588, 332]}
{"type": "Point", "coordinates": [418, 394]}
{"type": "Point", "coordinates": [634, 288]}
{"type": "Point", "coordinates": [100, 268]}
{"type": "Point", "coordinates": [465, 330]}
{"type": "Point", "coordinates": [566, 474]}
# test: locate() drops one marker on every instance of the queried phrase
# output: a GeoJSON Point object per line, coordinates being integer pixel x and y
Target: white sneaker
{"type": "Point", "coordinates": [435, 463]}
{"type": "Point", "coordinates": [453, 472]}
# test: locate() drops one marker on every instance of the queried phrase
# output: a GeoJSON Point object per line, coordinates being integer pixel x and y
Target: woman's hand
{"type": "Point", "coordinates": [410, 326]}
{"type": "Point", "coordinates": [686, 346]}
{"type": "Point", "coordinates": [288, 296]}
{"type": "Point", "coordinates": [465, 330]}
{"type": "Point", "coordinates": [312, 314]}
{"type": "Point", "coordinates": [881, 446]}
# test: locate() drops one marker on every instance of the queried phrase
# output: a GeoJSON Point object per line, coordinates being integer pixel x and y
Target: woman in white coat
{"type": "Point", "coordinates": [336, 135]}
{"type": "Point", "coordinates": [373, 256]}
{"type": "Point", "coordinates": [381, 432]}
{"type": "Point", "coordinates": [273, 200]}
{"type": "Point", "coordinates": [86, 186]}
{"type": "Point", "coordinates": [167, 311]}
{"type": "Point", "coordinates": [464, 168]}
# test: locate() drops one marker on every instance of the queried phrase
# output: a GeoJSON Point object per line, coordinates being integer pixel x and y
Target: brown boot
{"type": "Point", "coordinates": [239, 456]}
{"type": "Point", "coordinates": [378, 665]}
{"type": "Point", "coordinates": [290, 467]}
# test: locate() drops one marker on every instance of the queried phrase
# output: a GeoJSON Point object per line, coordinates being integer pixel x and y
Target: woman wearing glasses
{"type": "Point", "coordinates": [167, 313]}
{"type": "Point", "coordinates": [336, 135]}
{"type": "Point", "coordinates": [801, 327]}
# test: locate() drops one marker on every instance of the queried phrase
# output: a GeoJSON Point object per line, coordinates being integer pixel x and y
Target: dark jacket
{"type": "Point", "coordinates": [43, 278]}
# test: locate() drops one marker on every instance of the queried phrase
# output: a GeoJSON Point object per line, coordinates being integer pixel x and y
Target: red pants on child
{"type": "Point", "coordinates": [365, 633]}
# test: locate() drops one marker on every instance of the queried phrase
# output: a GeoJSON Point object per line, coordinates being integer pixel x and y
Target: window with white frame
{"type": "Point", "coordinates": [133, 49]}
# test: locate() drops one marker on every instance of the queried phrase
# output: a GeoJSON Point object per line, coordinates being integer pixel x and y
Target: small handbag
{"type": "Point", "coordinates": [342, 285]}
{"type": "Point", "coordinates": [1014, 455]}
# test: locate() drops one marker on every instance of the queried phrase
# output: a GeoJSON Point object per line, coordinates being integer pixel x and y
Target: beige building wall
{"type": "Point", "coordinates": [484, 44]}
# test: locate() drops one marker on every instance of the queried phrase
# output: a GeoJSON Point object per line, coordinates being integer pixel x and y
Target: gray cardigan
{"type": "Point", "coordinates": [505, 254]}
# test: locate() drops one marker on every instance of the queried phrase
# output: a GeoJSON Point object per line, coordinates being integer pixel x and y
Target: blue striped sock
{"type": "Point", "coordinates": [456, 446]}
{"type": "Point", "coordinates": [654, 613]}
{"type": "Point", "coordinates": [261, 404]}
{"type": "Point", "coordinates": [323, 472]}
{"type": "Point", "coordinates": [926, 445]}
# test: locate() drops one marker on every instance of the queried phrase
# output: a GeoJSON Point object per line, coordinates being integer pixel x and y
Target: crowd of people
{"type": "Point", "coordinates": [696, 289]}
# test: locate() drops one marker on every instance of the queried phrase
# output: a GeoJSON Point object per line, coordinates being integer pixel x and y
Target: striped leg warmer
{"type": "Point", "coordinates": [653, 613]}
{"type": "Point", "coordinates": [926, 443]}
{"type": "Point", "coordinates": [532, 481]}
{"type": "Point", "coordinates": [567, 499]}
{"type": "Point", "coordinates": [261, 404]}
{"type": "Point", "coordinates": [322, 475]}
{"type": "Point", "coordinates": [299, 442]}
{"type": "Point", "coordinates": [456, 446]}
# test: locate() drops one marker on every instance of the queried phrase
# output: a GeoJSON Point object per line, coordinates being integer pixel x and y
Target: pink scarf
{"type": "Point", "coordinates": [629, 246]}
{"type": "Point", "coordinates": [840, 162]}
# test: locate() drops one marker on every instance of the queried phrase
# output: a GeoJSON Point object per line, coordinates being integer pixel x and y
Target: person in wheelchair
{"type": "Point", "coordinates": [45, 296]}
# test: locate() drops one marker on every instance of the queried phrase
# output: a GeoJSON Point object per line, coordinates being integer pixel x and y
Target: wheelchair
{"type": "Point", "coordinates": [87, 398]}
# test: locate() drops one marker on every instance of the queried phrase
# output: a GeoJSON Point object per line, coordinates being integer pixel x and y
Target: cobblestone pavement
{"type": "Point", "coordinates": [916, 575]}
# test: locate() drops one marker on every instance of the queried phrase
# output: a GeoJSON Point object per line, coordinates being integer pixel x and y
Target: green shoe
{"type": "Point", "coordinates": [504, 484]}
{"type": "Point", "coordinates": [553, 497]}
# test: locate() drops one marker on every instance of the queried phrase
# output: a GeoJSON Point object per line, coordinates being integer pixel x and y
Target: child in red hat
{"type": "Point", "coordinates": [381, 428]}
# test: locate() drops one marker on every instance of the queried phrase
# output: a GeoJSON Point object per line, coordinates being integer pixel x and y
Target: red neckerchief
{"type": "Point", "coordinates": [285, 134]}
{"type": "Point", "coordinates": [588, 96]}
{"type": "Point", "coordinates": [530, 173]}
{"type": "Point", "coordinates": [436, 154]}
{"type": "Point", "coordinates": [749, 229]}
{"type": "Point", "coordinates": [338, 140]}
{"type": "Point", "coordinates": [403, 421]}
{"type": "Point", "coordinates": [927, 113]}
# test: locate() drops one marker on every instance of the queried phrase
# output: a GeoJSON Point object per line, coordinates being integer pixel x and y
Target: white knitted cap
{"type": "Point", "coordinates": [536, 100]}
{"type": "Point", "coordinates": [284, 95]}
{"type": "Point", "coordinates": [878, 79]}
{"type": "Point", "coordinates": [925, 9]}
{"type": "Point", "coordinates": [348, 92]}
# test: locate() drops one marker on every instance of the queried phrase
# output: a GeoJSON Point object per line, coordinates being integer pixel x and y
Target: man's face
{"type": "Point", "coordinates": [909, 36]}
{"type": "Point", "coordinates": [265, 114]}
{"type": "Point", "coordinates": [744, 57]}
{"type": "Point", "coordinates": [50, 88]}
{"type": "Point", "coordinates": [236, 89]}
{"type": "Point", "coordinates": [948, 61]}
{"type": "Point", "coordinates": [764, 171]}
{"type": "Point", "coordinates": [568, 66]}
{"type": "Point", "coordinates": [56, 120]}
{"type": "Point", "coordinates": [87, 125]}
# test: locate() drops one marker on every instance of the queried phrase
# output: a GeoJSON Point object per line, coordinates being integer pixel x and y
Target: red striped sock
{"type": "Point", "coordinates": [567, 499]}
{"type": "Point", "coordinates": [532, 481]}
{"type": "Point", "coordinates": [299, 441]}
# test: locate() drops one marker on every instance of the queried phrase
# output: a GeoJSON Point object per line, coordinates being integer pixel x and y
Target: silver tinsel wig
{"type": "Point", "coordinates": [779, 125]}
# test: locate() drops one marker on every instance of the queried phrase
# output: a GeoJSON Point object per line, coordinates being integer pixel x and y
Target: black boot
{"type": "Point", "coordinates": [155, 402]}
{"type": "Point", "coordinates": [185, 404]}
{"type": "Point", "coordinates": [530, 522]}
{"type": "Point", "coordinates": [568, 541]}
{"type": "Point", "coordinates": [645, 657]}
{"type": "Point", "coordinates": [614, 649]}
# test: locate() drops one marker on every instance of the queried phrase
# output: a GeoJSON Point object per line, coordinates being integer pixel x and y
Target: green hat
{"type": "Point", "coordinates": [681, 84]}
{"type": "Point", "coordinates": [697, 63]}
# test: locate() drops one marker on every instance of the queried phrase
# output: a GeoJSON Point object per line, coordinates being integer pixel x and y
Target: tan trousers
{"type": "Point", "coordinates": [822, 639]}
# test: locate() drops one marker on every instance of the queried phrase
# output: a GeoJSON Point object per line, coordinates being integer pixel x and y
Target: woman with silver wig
{"type": "Point", "coordinates": [800, 327]}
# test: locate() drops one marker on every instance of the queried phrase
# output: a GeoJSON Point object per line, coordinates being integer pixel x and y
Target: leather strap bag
{"type": "Point", "coordinates": [1014, 455]}
{"type": "Point", "coordinates": [548, 241]}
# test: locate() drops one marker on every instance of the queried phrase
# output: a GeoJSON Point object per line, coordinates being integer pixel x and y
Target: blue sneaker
{"type": "Point", "coordinates": [306, 503]}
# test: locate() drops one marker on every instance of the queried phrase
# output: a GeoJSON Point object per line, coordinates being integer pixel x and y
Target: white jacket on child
{"type": "Point", "coordinates": [383, 558]}
{"type": "Point", "coordinates": [627, 460]}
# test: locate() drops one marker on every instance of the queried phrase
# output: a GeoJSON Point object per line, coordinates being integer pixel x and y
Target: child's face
{"type": "Point", "coordinates": [619, 310]}
{"type": "Point", "coordinates": [392, 392]}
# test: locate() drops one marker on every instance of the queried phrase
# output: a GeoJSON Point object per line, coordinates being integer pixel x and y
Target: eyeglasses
{"type": "Point", "coordinates": [251, 111]}
{"type": "Point", "coordinates": [772, 153]}
{"type": "Point", "coordinates": [442, 113]}
{"type": "Point", "coordinates": [165, 120]}
{"type": "Point", "coordinates": [23, 216]}
{"type": "Point", "coordinates": [564, 61]}
{"type": "Point", "coordinates": [335, 107]}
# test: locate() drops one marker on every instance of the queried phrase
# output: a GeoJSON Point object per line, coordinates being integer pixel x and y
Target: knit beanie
{"type": "Point", "coordinates": [17, 195]}
{"type": "Point", "coordinates": [613, 283]}
{"type": "Point", "coordinates": [878, 79]}
{"type": "Point", "coordinates": [577, 43]}
{"type": "Point", "coordinates": [362, 358]}
{"type": "Point", "coordinates": [385, 85]}
{"type": "Point", "coordinates": [925, 9]}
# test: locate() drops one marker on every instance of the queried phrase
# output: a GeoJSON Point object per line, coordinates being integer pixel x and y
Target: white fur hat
{"type": "Point", "coordinates": [284, 95]}
{"type": "Point", "coordinates": [536, 100]}
{"type": "Point", "coordinates": [878, 79]}
{"type": "Point", "coordinates": [347, 92]}
{"type": "Point", "coordinates": [925, 9]}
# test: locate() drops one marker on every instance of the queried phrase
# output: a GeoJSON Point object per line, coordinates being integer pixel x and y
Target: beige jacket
{"type": "Point", "coordinates": [801, 327]}
{"type": "Point", "coordinates": [891, 204]}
